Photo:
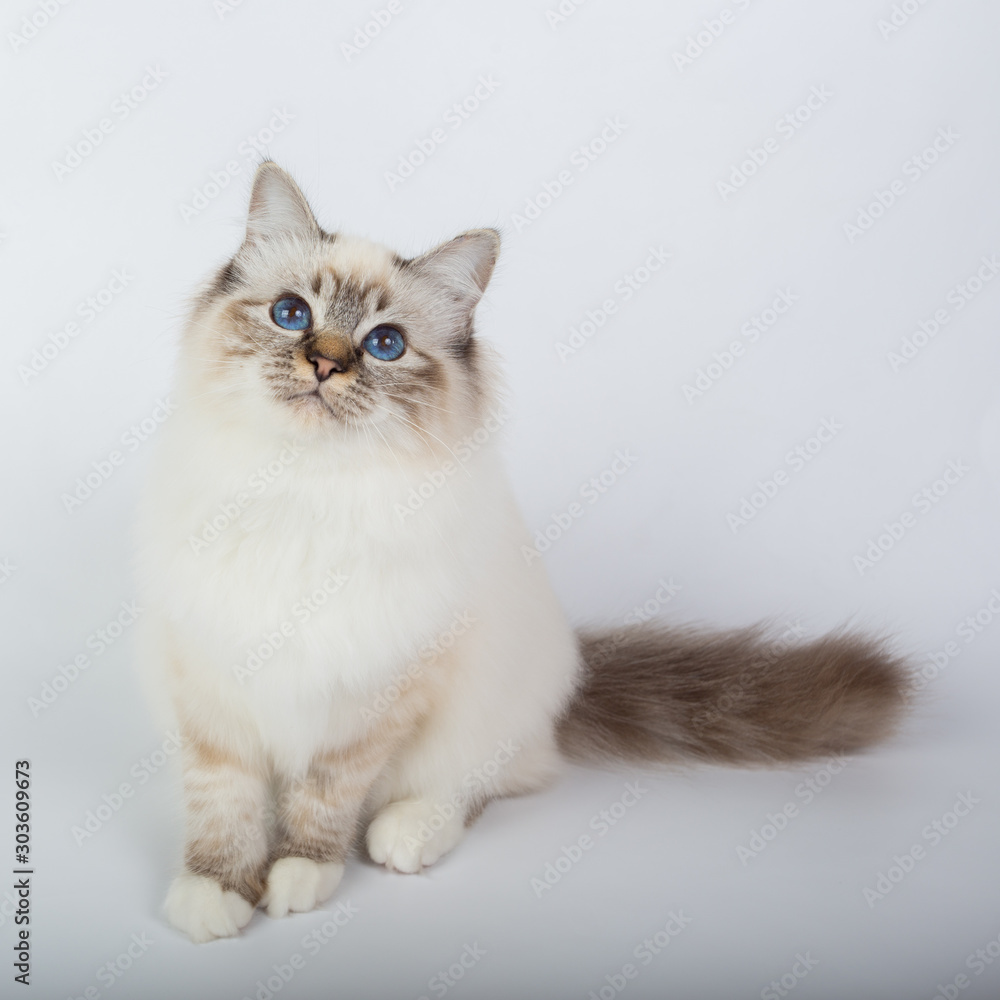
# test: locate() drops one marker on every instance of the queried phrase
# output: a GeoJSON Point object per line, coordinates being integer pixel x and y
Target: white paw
{"type": "Point", "coordinates": [410, 835]}
{"type": "Point", "coordinates": [201, 908]}
{"type": "Point", "coordinates": [298, 885]}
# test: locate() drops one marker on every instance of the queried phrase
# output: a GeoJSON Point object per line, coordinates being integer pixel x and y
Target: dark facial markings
{"type": "Point", "coordinates": [411, 392]}
{"type": "Point", "coordinates": [352, 301]}
{"type": "Point", "coordinates": [227, 281]}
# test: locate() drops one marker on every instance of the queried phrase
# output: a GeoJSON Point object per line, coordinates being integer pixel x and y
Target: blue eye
{"type": "Point", "coordinates": [385, 343]}
{"type": "Point", "coordinates": [291, 313]}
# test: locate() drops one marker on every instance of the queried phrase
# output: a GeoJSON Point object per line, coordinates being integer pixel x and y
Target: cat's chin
{"type": "Point", "coordinates": [310, 416]}
{"type": "Point", "coordinates": [311, 412]}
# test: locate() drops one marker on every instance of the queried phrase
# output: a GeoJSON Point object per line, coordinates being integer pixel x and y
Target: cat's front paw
{"type": "Point", "coordinates": [410, 835]}
{"type": "Point", "coordinates": [298, 885]}
{"type": "Point", "coordinates": [203, 910]}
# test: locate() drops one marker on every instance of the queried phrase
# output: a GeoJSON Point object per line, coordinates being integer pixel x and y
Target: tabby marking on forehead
{"type": "Point", "coordinates": [352, 301]}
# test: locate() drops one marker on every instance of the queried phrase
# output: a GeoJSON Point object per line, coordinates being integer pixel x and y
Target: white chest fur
{"type": "Point", "coordinates": [304, 583]}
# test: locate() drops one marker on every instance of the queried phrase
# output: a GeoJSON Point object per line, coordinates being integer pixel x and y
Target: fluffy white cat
{"type": "Point", "coordinates": [344, 604]}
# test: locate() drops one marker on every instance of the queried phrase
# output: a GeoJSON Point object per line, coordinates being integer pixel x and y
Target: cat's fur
{"type": "Point", "coordinates": [439, 671]}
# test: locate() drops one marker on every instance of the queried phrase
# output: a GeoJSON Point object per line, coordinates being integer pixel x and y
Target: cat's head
{"type": "Point", "coordinates": [325, 334]}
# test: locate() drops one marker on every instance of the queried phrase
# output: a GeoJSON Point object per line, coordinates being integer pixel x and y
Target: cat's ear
{"type": "Point", "coordinates": [277, 207]}
{"type": "Point", "coordinates": [461, 266]}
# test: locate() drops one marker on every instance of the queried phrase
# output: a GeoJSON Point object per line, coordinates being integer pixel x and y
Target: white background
{"type": "Point", "coordinates": [654, 186]}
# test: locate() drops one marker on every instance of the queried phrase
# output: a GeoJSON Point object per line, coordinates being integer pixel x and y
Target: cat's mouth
{"type": "Point", "coordinates": [346, 411]}
{"type": "Point", "coordinates": [314, 396]}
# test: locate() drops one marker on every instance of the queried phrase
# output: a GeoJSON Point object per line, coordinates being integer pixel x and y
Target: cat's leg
{"type": "Point", "coordinates": [318, 815]}
{"type": "Point", "coordinates": [488, 733]}
{"type": "Point", "coordinates": [420, 819]}
{"type": "Point", "coordinates": [408, 835]}
{"type": "Point", "coordinates": [227, 803]}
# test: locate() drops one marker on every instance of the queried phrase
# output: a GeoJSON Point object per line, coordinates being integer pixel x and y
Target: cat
{"type": "Point", "coordinates": [344, 605]}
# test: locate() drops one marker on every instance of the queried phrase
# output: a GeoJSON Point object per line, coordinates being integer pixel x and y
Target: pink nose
{"type": "Point", "coordinates": [324, 366]}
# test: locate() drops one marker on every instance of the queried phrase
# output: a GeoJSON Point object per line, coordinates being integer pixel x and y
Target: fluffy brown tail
{"type": "Point", "coordinates": [651, 694]}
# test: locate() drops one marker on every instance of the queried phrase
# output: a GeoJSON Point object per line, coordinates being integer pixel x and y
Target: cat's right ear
{"type": "Point", "coordinates": [278, 208]}
{"type": "Point", "coordinates": [461, 266]}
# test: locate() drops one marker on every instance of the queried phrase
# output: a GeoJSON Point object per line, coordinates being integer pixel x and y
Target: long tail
{"type": "Point", "coordinates": [652, 694]}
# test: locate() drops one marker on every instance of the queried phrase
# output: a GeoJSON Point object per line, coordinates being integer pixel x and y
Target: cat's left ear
{"type": "Point", "coordinates": [277, 207]}
{"type": "Point", "coordinates": [461, 266]}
